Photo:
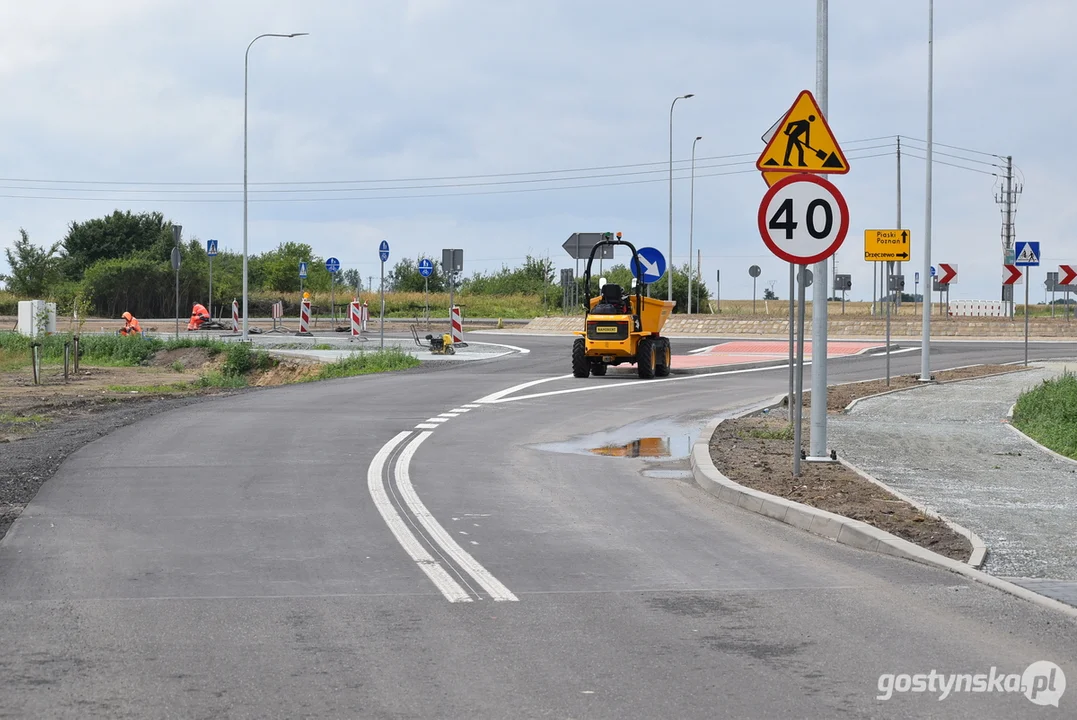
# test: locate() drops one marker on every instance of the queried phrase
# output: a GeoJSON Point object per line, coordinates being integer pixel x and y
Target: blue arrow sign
{"type": "Point", "coordinates": [302, 271]}
{"type": "Point", "coordinates": [332, 265]}
{"type": "Point", "coordinates": [211, 248]}
{"type": "Point", "coordinates": [651, 264]}
{"type": "Point", "coordinates": [1028, 254]}
{"type": "Point", "coordinates": [932, 271]}
{"type": "Point", "coordinates": [426, 267]}
{"type": "Point", "coordinates": [383, 250]}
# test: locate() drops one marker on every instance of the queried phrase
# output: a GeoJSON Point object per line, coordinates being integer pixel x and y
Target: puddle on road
{"type": "Point", "coordinates": [650, 440]}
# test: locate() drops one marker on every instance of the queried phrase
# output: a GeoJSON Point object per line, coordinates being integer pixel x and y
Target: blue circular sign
{"type": "Point", "coordinates": [426, 267]}
{"type": "Point", "coordinates": [649, 265]}
{"type": "Point", "coordinates": [332, 265]}
{"type": "Point", "coordinates": [383, 250]}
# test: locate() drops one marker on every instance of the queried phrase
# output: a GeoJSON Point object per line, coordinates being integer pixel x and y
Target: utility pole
{"type": "Point", "coordinates": [925, 338]}
{"type": "Point", "coordinates": [1008, 202]}
{"type": "Point", "coordinates": [898, 226]}
{"type": "Point", "coordinates": [817, 438]}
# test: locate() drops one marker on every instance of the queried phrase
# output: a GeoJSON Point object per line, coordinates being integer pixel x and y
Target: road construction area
{"type": "Point", "coordinates": [493, 538]}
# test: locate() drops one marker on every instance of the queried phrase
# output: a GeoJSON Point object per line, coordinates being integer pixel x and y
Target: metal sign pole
{"type": "Point", "coordinates": [792, 330]}
{"type": "Point", "coordinates": [211, 286]}
{"type": "Point", "coordinates": [753, 296]}
{"type": "Point", "coordinates": [382, 304]}
{"type": "Point", "coordinates": [889, 274]}
{"type": "Point", "coordinates": [1028, 281]}
{"type": "Point", "coordinates": [798, 418]}
{"type": "Point", "coordinates": [427, 301]}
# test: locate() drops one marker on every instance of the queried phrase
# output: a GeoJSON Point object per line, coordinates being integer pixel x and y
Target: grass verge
{"type": "Point", "coordinates": [367, 362]}
{"type": "Point", "coordinates": [1048, 414]}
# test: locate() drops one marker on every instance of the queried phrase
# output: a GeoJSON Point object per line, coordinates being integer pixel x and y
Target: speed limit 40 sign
{"type": "Point", "coordinates": [803, 219]}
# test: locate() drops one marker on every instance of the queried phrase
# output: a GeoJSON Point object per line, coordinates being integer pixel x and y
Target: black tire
{"type": "Point", "coordinates": [598, 369]}
{"type": "Point", "coordinates": [645, 359]}
{"type": "Point", "coordinates": [581, 368]}
{"type": "Point", "coordinates": [664, 359]}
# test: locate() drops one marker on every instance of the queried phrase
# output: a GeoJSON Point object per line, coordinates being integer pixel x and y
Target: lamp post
{"type": "Point", "coordinates": [246, 58]}
{"type": "Point", "coordinates": [691, 221]}
{"type": "Point", "coordinates": [669, 260]}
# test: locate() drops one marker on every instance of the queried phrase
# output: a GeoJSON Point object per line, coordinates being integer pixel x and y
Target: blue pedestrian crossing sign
{"type": "Point", "coordinates": [211, 248]}
{"type": "Point", "coordinates": [426, 267]}
{"type": "Point", "coordinates": [302, 271]}
{"type": "Point", "coordinates": [1028, 254]}
{"type": "Point", "coordinates": [332, 265]}
{"type": "Point", "coordinates": [383, 250]}
{"type": "Point", "coordinates": [650, 264]}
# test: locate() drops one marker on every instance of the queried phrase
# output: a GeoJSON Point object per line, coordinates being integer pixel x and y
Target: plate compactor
{"type": "Point", "coordinates": [621, 327]}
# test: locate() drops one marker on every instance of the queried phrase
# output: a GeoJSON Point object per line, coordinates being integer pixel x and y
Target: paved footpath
{"type": "Point", "coordinates": [948, 447]}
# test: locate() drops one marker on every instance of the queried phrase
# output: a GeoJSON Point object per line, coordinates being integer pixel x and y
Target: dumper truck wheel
{"type": "Point", "coordinates": [664, 358]}
{"type": "Point", "coordinates": [598, 369]}
{"type": "Point", "coordinates": [581, 367]}
{"type": "Point", "coordinates": [645, 359]}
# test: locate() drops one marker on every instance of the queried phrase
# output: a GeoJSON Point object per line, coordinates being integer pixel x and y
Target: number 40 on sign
{"type": "Point", "coordinates": [803, 219]}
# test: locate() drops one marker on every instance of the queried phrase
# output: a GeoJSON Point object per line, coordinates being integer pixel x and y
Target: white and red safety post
{"type": "Point", "coordinates": [457, 324]}
{"type": "Point", "coordinates": [366, 316]}
{"type": "Point", "coordinates": [235, 316]}
{"type": "Point", "coordinates": [356, 315]}
{"type": "Point", "coordinates": [304, 317]}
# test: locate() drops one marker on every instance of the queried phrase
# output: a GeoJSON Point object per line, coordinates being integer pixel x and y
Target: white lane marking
{"type": "Point", "coordinates": [522, 351]}
{"type": "Point", "coordinates": [438, 420]}
{"type": "Point", "coordinates": [460, 411]}
{"type": "Point", "coordinates": [448, 414]}
{"type": "Point", "coordinates": [427, 426]}
{"type": "Point", "coordinates": [499, 397]}
{"type": "Point", "coordinates": [444, 582]}
{"type": "Point", "coordinates": [472, 406]}
{"type": "Point", "coordinates": [494, 397]}
{"type": "Point", "coordinates": [436, 532]}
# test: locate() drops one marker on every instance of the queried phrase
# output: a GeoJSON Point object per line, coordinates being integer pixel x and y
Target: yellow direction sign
{"type": "Point", "coordinates": [802, 143]}
{"type": "Point", "coordinates": [887, 245]}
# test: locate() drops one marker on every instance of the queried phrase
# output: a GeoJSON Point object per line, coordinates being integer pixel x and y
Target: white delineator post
{"type": "Point", "coordinates": [457, 325]}
{"type": "Point", "coordinates": [366, 315]}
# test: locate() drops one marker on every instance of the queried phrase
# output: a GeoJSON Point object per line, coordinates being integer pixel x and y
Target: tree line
{"type": "Point", "coordinates": [123, 262]}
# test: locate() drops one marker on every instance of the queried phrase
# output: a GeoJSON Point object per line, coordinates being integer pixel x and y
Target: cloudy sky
{"type": "Point", "coordinates": [377, 124]}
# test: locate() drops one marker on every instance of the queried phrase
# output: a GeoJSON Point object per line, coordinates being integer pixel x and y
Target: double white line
{"type": "Point", "coordinates": [436, 534]}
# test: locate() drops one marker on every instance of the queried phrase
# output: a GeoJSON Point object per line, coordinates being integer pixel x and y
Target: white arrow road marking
{"type": "Point", "coordinates": [436, 532]}
{"type": "Point", "coordinates": [452, 590]}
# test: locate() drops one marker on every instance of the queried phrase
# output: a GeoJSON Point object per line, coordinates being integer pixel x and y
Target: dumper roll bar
{"type": "Point", "coordinates": [638, 274]}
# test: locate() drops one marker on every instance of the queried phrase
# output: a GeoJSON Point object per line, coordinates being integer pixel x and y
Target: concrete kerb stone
{"type": "Point", "coordinates": [839, 528]}
{"type": "Point", "coordinates": [1039, 446]}
{"type": "Point", "coordinates": [851, 405]}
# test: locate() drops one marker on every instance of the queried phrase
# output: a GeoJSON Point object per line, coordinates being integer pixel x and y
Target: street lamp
{"type": "Point", "coordinates": [669, 260]}
{"type": "Point", "coordinates": [692, 222]}
{"type": "Point", "coordinates": [246, 58]}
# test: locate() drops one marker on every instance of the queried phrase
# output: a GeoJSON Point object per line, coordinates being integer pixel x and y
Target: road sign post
{"type": "Point", "coordinates": [302, 277]}
{"type": "Point", "coordinates": [1027, 256]}
{"type": "Point", "coordinates": [1067, 277]}
{"type": "Point", "coordinates": [844, 283]}
{"type": "Point", "coordinates": [211, 251]}
{"type": "Point", "coordinates": [426, 269]}
{"type": "Point", "coordinates": [452, 262]}
{"type": "Point", "coordinates": [333, 266]}
{"type": "Point", "coordinates": [803, 219]}
{"type": "Point", "coordinates": [177, 233]}
{"type": "Point", "coordinates": [383, 255]}
{"type": "Point", "coordinates": [754, 271]}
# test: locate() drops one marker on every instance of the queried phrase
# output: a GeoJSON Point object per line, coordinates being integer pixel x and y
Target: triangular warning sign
{"type": "Point", "coordinates": [1027, 256]}
{"type": "Point", "coordinates": [803, 142]}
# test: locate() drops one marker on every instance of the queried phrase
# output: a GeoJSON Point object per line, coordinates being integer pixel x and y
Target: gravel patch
{"type": "Point", "coordinates": [948, 447]}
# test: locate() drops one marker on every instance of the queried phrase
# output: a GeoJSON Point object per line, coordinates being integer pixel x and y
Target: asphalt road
{"type": "Point", "coordinates": [426, 545]}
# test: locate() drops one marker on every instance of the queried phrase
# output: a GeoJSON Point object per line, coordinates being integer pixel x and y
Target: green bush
{"type": "Point", "coordinates": [241, 359]}
{"type": "Point", "coordinates": [366, 362]}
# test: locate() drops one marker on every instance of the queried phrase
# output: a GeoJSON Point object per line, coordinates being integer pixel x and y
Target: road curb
{"type": "Point", "coordinates": [1039, 445]}
{"type": "Point", "coordinates": [850, 406]}
{"type": "Point", "coordinates": [839, 528]}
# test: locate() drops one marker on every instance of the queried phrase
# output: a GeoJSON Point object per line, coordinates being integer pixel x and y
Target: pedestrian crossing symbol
{"type": "Point", "coordinates": [803, 142]}
{"type": "Point", "coordinates": [1028, 254]}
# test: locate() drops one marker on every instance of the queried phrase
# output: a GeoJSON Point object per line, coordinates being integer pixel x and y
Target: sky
{"type": "Point", "coordinates": [375, 125]}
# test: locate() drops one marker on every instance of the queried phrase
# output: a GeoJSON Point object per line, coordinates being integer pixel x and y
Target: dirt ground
{"type": "Point", "coordinates": [757, 451]}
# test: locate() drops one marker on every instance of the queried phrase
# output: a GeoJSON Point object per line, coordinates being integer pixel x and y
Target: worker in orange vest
{"type": "Point", "coordinates": [130, 325]}
{"type": "Point", "coordinates": [199, 315]}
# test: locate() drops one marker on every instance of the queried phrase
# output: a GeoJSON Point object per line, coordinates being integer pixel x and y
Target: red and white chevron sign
{"type": "Point", "coordinates": [947, 273]}
{"type": "Point", "coordinates": [1011, 275]}
{"type": "Point", "coordinates": [1067, 275]}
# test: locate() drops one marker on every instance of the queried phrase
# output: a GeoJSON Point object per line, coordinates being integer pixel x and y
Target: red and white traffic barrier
{"type": "Point", "coordinates": [304, 317]}
{"type": "Point", "coordinates": [356, 315]}
{"type": "Point", "coordinates": [457, 324]}
{"type": "Point", "coordinates": [235, 316]}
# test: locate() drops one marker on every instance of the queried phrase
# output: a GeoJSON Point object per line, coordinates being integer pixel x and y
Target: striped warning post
{"type": "Point", "coordinates": [356, 319]}
{"type": "Point", "coordinates": [457, 325]}
{"type": "Point", "coordinates": [235, 316]}
{"type": "Point", "coordinates": [366, 315]}
{"type": "Point", "coordinates": [304, 317]}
